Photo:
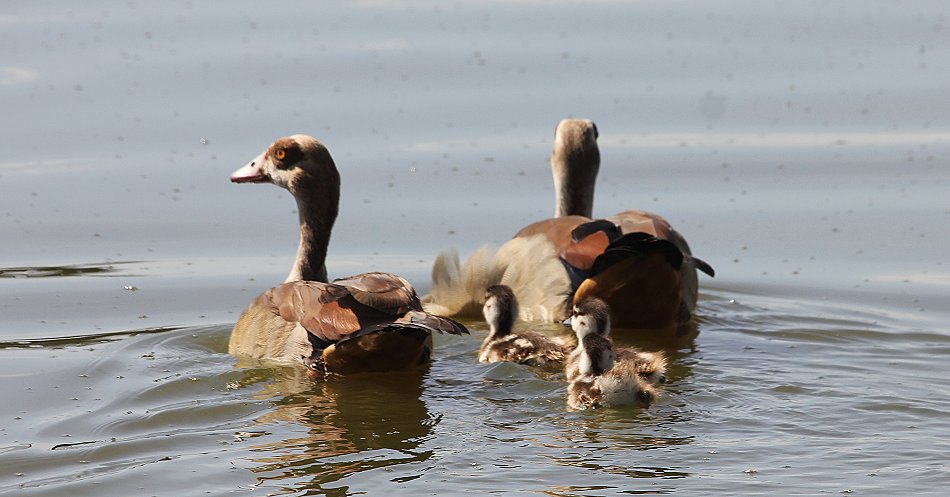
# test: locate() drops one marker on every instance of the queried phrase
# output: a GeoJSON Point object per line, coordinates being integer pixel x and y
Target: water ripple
{"type": "Point", "coordinates": [62, 271]}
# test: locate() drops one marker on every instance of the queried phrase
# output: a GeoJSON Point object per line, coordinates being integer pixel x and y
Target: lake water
{"type": "Point", "coordinates": [803, 148]}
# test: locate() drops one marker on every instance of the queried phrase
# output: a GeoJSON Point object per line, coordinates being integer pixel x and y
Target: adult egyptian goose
{"type": "Point", "coordinates": [598, 378]}
{"type": "Point", "coordinates": [366, 322]}
{"type": "Point", "coordinates": [501, 344]}
{"type": "Point", "coordinates": [634, 260]}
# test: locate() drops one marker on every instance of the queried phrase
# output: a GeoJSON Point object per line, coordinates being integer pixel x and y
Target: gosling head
{"type": "Point", "coordinates": [591, 316]}
{"type": "Point", "coordinates": [500, 309]}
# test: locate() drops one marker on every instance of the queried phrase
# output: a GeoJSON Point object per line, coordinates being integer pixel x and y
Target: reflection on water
{"type": "Point", "coordinates": [681, 337]}
{"type": "Point", "coordinates": [624, 452]}
{"type": "Point", "coordinates": [461, 420]}
{"type": "Point", "coordinates": [57, 271]}
{"type": "Point", "coordinates": [351, 424]}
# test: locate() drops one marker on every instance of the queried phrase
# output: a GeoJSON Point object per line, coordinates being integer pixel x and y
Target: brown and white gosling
{"type": "Point", "coordinates": [650, 366]}
{"type": "Point", "coordinates": [598, 378]}
{"type": "Point", "coordinates": [528, 347]}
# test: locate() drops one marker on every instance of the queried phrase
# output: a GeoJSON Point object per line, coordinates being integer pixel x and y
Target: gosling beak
{"type": "Point", "coordinates": [314, 364]}
{"type": "Point", "coordinates": [567, 322]}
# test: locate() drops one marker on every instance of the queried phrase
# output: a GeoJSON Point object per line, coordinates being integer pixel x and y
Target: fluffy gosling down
{"type": "Point", "coordinates": [600, 377]}
{"type": "Point", "coordinates": [501, 344]}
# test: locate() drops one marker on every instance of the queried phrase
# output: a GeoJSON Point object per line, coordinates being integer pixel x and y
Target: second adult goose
{"type": "Point", "coordinates": [634, 260]}
{"type": "Point", "coordinates": [366, 322]}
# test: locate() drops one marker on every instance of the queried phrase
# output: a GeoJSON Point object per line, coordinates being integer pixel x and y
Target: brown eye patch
{"type": "Point", "coordinates": [285, 153]}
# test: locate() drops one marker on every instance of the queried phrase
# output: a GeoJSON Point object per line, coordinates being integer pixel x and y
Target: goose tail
{"type": "Point", "coordinates": [528, 265]}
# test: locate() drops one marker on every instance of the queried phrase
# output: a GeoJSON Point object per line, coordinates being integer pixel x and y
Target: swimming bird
{"type": "Point", "coordinates": [501, 344]}
{"type": "Point", "coordinates": [367, 322]}
{"type": "Point", "coordinates": [591, 318]}
{"type": "Point", "coordinates": [599, 379]}
{"type": "Point", "coordinates": [634, 260]}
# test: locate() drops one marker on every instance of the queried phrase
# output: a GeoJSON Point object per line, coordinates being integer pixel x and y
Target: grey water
{"type": "Point", "coordinates": [803, 148]}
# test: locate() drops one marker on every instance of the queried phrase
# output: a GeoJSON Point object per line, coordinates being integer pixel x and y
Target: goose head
{"type": "Point", "coordinates": [575, 161]}
{"type": "Point", "coordinates": [293, 163]}
{"type": "Point", "coordinates": [500, 309]}
{"type": "Point", "coordinates": [303, 166]}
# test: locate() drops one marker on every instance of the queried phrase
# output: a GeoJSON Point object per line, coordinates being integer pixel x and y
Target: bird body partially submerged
{"type": "Point", "coordinates": [367, 322]}
{"type": "Point", "coordinates": [601, 376]}
{"type": "Point", "coordinates": [503, 344]}
{"type": "Point", "coordinates": [634, 260]}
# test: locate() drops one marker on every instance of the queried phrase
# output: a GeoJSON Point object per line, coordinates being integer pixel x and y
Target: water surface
{"type": "Point", "coordinates": [802, 148]}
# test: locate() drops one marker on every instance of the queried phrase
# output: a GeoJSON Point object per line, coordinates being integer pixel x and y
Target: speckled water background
{"type": "Point", "coordinates": [802, 147]}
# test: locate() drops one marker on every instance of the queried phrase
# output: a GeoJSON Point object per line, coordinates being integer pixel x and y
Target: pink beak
{"type": "Point", "coordinates": [250, 173]}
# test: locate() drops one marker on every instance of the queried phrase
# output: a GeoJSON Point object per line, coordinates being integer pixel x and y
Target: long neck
{"type": "Point", "coordinates": [500, 327]}
{"type": "Point", "coordinates": [318, 210]}
{"type": "Point", "coordinates": [575, 174]}
{"type": "Point", "coordinates": [597, 356]}
{"type": "Point", "coordinates": [502, 322]}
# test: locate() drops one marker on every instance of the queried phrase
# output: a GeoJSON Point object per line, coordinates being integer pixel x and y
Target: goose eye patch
{"type": "Point", "coordinates": [285, 154]}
